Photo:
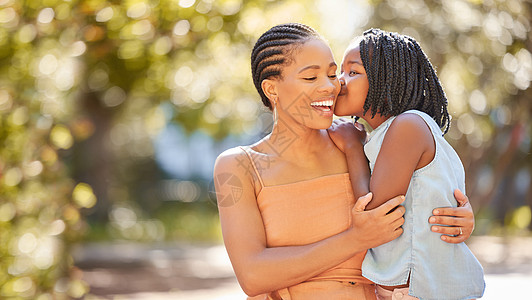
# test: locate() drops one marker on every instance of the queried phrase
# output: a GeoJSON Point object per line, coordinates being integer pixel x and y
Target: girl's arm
{"type": "Point", "coordinates": [260, 269]}
{"type": "Point", "coordinates": [346, 137]}
{"type": "Point", "coordinates": [350, 139]}
{"type": "Point", "coordinates": [407, 146]}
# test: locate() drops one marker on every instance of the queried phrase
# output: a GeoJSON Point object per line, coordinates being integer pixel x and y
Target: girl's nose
{"type": "Point", "coordinates": [341, 79]}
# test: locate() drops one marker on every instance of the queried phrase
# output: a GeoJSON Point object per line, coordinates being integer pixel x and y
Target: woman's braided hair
{"type": "Point", "coordinates": [272, 51]}
{"type": "Point", "coordinates": [401, 77]}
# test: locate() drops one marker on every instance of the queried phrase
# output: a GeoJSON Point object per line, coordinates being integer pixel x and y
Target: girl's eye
{"type": "Point", "coordinates": [352, 73]}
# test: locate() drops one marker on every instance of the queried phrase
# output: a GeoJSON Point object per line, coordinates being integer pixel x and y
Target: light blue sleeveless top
{"type": "Point", "coordinates": [437, 270]}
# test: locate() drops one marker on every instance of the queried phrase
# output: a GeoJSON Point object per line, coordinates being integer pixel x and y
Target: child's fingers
{"type": "Point", "coordinates": [340, 121]}
{"type": "Point", "coordinates": [360, 126]}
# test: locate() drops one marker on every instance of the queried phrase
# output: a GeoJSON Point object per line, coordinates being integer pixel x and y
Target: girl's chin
{"type": "Point", "coordinates": [340, 113]}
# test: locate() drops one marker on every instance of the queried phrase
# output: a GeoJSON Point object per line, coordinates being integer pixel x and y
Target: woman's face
{"type": "Point", "coordinates": [354, 82]}
{"type": "Point", "coordinates": [308, 89]}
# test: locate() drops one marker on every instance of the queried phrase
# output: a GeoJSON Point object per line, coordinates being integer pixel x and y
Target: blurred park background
{"type": "Point", "coordinates": [113, 112]}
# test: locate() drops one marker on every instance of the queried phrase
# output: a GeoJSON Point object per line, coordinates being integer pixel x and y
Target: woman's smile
{"type": "Point", "coordinates": [324, 106]}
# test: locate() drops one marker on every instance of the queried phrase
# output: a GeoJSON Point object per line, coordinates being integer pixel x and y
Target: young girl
{"type": "Point", "coordinates": [389, 82]}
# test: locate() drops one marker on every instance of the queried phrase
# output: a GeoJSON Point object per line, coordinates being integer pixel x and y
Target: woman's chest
{"type": "Point", "coordinates": [306, 212]}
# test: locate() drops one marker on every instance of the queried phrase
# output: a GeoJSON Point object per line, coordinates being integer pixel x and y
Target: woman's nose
{"type": "Point", "coordinates": [329, 85]}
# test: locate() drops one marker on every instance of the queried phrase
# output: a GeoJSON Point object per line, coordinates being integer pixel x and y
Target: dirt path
{"type": "Point", "coordinates": [200, 272]}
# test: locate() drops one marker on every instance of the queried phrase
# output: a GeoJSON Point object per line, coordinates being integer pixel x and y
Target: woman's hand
{"type": "Point", "coordinates": [345, 134]}
{"type": "Point", "coordinates": [458, 222]}
{"type": "Point", "coordinates": [378, 226]}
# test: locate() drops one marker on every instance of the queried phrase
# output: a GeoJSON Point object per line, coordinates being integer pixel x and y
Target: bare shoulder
{"type": "Point", "coordinates": [234, 161]}
{"type": "Point", "coordinates": [411, 126]}
{"type": "Point", "coordinates": [229, 156]}
{"type": "Point", "coordinates": [234, 181]}
{"type": "Point", "coordinates": [230, 159]}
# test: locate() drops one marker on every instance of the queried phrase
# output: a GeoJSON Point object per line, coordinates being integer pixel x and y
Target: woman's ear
{"type": "Point", "coordinates": [269, 87]}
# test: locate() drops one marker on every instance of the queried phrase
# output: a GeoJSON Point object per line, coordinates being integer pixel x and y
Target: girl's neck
{"type": "Point", "coordinates": [376, 121]}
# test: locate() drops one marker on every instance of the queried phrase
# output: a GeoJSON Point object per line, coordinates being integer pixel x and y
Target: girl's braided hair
{"type": "Point", "coordinates": [401, 77]}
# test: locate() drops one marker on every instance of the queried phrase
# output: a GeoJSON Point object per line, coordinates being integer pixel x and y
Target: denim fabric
{"type": "Point", "coordinates": [437, 270]}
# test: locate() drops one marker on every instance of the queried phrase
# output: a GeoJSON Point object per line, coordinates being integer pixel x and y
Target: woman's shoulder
{"type": "Point", "coordinates": [236, 163]}
{"type": "Point", "coordinates": [230, 157]}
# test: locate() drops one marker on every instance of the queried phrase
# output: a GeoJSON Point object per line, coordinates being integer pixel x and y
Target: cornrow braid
{"type": "Point", "coordinates": [401, 77]}
{"type": "Point", "coordinates": [272, 51]}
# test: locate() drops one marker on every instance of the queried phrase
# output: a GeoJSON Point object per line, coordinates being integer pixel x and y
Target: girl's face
{"type": "Point", "coordinates": [308, 89]}
{"type": "Point", "coordinates": [354, 84]}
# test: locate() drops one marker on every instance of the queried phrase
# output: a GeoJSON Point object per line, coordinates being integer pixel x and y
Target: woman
{"type": "Point", "coordinates": [295, 231]}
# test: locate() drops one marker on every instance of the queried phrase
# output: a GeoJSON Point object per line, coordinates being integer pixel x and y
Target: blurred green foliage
{"type": "Point", "coordinates": [86, 86]}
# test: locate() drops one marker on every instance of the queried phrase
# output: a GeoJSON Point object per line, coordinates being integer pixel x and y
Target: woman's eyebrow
{"type": "Point", "coordinates": [309, 67]}
{"type": "Point", "coordinates": [315, 67]}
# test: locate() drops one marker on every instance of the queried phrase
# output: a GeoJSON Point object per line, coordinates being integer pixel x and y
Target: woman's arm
{"type": "Point", "coordinates": [260, 269]}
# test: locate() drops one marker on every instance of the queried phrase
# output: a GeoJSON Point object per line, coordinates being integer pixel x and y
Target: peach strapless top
{"type": "Point", "coordinates": [305, 212]}
{"type": "Point", "coordinates": [308, 211]}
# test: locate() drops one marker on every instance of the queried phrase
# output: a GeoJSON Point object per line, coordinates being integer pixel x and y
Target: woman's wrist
{"type": "Point", "coordinates": [354, 241]}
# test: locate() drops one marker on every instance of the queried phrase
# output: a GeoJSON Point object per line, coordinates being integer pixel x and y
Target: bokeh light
{"type": "Point", "coordinates": [113, 113]}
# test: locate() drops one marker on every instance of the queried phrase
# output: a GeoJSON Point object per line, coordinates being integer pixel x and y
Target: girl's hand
{"type": "Point", "coordinates": [345, 134]}
{"type": "Point", "coordinates": [460, 220]}
{"type": "Point", "coordinates": [378, 226]}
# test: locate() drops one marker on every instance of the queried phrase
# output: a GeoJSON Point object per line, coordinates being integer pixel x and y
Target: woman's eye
{"type": "Point", "coordinates": [332, 76]}
{"type": "Point", "coordinates": [310, 78]}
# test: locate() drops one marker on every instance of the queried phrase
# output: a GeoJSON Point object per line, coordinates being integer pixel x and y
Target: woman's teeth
{"type": "Point", "coordinates": [324, 105]}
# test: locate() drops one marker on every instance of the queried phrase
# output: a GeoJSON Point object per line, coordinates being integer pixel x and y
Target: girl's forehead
{"type": "Point", "coordinates": [353, 50]}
